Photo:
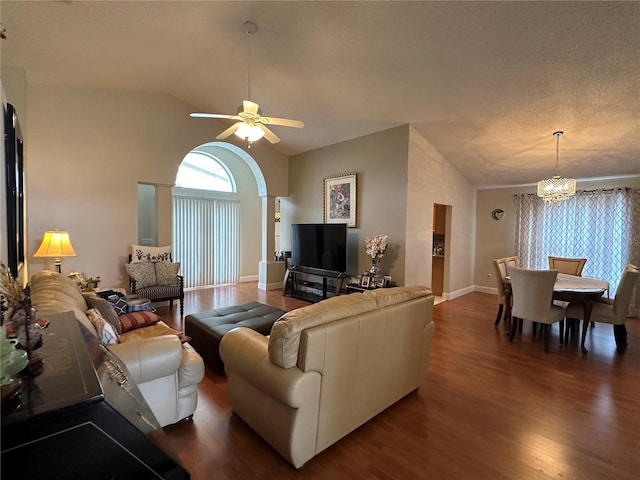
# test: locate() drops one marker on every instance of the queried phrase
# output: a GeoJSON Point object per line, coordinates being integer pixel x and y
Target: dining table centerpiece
{"type": "Point", "coordinates": [375, 248]}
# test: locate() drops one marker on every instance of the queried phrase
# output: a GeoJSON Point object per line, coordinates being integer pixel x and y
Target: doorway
{"type": "Point", "coordinates": [439, 249]}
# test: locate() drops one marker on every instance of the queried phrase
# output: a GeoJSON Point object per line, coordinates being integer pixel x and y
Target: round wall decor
{"type": "Point", "coordinates": [497, 214]}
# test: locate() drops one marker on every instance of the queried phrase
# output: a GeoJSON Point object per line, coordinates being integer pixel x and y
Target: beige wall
{"type": "Point", "coordinates": [380, 162]}
{"type": "Point", "coordinates": [87, 149]}
{"type": "Point", "coordinates": [495, 239]}
{"type": "Point", "coordinates": [400, 177]}
{"type": "Point", "coordinates": [432, 179]}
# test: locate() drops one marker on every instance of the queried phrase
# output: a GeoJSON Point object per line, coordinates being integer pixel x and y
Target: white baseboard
{"type": "Point", "coordinates": [457, 293]}
{"type": "Point", "coordinates": [248, 278]}
{"type": "Point", "coordinates": [269, 286]}
{"type": "Point", "coordinates": [482, 289]}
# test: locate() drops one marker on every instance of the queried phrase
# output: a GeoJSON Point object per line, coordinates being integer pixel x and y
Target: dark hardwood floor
{"type": "Point", "coordinates": [487, 409]}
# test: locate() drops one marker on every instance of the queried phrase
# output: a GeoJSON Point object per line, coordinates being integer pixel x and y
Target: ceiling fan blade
{"type": "Point", "coordinates": [269, 135]}
{"type": "Point", "coordinates": [215, 115]}
{"type": "Point", "coordinates": [250, 107]}
{"type": "Point", "coordinates": [285, 122]}
{"type": "Point", "coordinates": [229, 131]}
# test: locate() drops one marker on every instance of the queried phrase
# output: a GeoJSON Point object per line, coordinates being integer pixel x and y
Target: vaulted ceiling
{"type": "Point", "coordinates": [487, 83]}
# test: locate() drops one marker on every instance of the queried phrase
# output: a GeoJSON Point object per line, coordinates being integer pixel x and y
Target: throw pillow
{"type": "Point", "coordinates": [166, 273]}
{"type": "Point", "coordinates": [105, 331]}
{"type": "Point", "coordinates": [106, 310]}
{"type": "Point", "coordinates": [144, 274]}
{"type": "Point", "coordinates": [133, 320]}
{"type": "Point", "coordinates": [119, 303]}
{"type": "Point", "coordinates": [143, 253]}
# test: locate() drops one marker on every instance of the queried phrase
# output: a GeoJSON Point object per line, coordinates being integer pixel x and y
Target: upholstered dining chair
{"type": "Point", "coordinates": [615, 312]}
{"type": "Point", "coordinates": [532, 299]}
{"type": "Point", "coordinates": [500, 266]}
{"type": "Point", "coordinates": [570, 266]}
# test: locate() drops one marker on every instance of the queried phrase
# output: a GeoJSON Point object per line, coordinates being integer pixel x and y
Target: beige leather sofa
{"type": "Point", "coordinates": [329, 367]}
{"type": "Point", "coordinates": [166, 371]}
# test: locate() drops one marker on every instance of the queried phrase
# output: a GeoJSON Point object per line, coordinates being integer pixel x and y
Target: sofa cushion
{"type": "Point", "coordinates": [166, 272]}
{"type": "Point", "coordinates": [144, 253]}
{"type": "Point", "coordinates": [160, 291]}
{"type": "Point", "coordinates": [106, 310]}
{"type": "Point", "coordinates": [143, 273]}
{"type": "Point", "coordinates": [284, 340]}
{"type": "Point", "coordinates": [106, 332]}
{"type": "Point", "coordinates": [52, 292]}
{"type": "Point", "coordinates": [133, 320]}
{"type": "Point", "coordinates": [390, 296]}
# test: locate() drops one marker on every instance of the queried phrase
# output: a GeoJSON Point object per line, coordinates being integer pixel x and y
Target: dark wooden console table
{"type": "Point", "coordinates": [82, 417]}
{"type": "Point", "coordinates": [301, 282]}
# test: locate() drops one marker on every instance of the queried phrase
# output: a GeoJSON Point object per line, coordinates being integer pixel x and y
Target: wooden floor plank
{"type": "Point", "coordinates": [487, 408]}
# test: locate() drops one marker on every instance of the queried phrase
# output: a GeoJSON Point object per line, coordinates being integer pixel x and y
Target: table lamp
{"type": "Point", "coordinates": [55, 244]}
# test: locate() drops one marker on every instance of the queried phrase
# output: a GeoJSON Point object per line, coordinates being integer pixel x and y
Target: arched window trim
{"type": "Point", "coordinates": [218, 162]}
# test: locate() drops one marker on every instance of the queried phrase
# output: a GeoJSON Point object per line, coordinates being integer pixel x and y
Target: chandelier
{"type": "Point", "coordinates": [556, 189]}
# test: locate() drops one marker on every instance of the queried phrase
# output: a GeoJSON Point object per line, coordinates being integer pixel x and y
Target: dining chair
{"type": "Point", "coordinates": [532, 299]}
{"type": "Point", "coordinates": [570, 266]}
{"type": "Point", "coordinates": [500, 266]}
{"type": "Point", "coordinates": [613, 311]}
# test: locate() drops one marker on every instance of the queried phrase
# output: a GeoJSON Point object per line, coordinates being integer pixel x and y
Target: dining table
{"type": "Point", "coordinates": [571, 289]}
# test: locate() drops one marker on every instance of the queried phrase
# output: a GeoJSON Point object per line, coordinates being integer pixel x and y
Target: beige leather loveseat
{"type": "Point", "coordinates": [166, 371]}
{"type": "Point", "coordinates": [329, 367]}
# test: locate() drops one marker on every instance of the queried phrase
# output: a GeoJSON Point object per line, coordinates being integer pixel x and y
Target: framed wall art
{"type": "Point", "coordinates": [340, 199]}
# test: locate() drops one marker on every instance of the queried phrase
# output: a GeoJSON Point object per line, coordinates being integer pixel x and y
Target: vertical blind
{"type": "Point", "coordinates": [206, 240]}
{"type": "Point", "coordinates": [602, 226]}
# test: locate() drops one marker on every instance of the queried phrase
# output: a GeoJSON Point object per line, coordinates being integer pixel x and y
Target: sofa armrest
{"type": "Point", "coordinates": [150, 358]}
{"type": "Point", "coordinates": [191, 368]}
{"type": "Point", "coordinates": [244, 352]}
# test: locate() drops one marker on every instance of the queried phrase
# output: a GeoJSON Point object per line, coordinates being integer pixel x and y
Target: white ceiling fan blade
{"type": "Point", "coordinates": [269, 135]}
{"type": "Point", "coordinates": [285, 122]}
{"type": "Point", "coordinates": [229, 131]}
{"type": "Point", "coordinates": [250, 107]}
{"type": "Point", "coordinates": [215, 115]}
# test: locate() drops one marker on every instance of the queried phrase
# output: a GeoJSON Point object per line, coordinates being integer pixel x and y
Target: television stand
{"type": "Point", "coordinates": [312, 284]}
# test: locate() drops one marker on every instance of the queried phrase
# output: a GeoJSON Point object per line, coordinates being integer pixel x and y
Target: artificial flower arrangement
{"type": "Point", "coordinates": [10, 288]}
{"type": "Point", "coordinates": [375, 248]}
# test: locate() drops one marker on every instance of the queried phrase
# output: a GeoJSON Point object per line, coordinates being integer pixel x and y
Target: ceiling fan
{"type": "Point", "coordinates": [250, 124]}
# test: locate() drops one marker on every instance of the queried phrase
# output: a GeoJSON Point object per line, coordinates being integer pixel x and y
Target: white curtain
{"type": "Point", "coordinates": [206, 240]}
{"type": "Point", "coordinates": [600, 225]}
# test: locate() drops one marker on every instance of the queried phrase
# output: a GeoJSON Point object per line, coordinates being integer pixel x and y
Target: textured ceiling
{"type": "Point", "coordinates": [487, 83]}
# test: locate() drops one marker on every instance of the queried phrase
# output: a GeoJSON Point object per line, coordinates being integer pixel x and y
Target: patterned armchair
{"type": "Point", "coordinates": [157, 281]}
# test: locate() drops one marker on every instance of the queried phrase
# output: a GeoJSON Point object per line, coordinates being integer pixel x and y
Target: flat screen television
{"type": "Point", "coordinates": [319, 245]}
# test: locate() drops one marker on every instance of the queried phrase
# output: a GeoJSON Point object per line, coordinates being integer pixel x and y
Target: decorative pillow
{"type": "Point", "coordinates": [133, 320]}
{"type": "Point", "coordinates": [166, 273]}
{"type": "Point", "coordinates": [143, 273]}
{"type": "Point", "coordinates": [105, 331]}
{"type": "Point", "coordinates": [143, 253]}
{"type": "Point", "coordinates": [119, 303]}
{"type": "Point", "coordinates": [106, 310]}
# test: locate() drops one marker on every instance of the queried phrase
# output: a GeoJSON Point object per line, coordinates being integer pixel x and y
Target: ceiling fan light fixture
{"type": "Point", "coordinates": [249, 133]}
{"type": "Point", "coordinates": [556, 189]}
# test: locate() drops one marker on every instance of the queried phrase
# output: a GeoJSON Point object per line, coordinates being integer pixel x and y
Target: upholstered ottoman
{"type": "Point", "coordinates": [206, 329]}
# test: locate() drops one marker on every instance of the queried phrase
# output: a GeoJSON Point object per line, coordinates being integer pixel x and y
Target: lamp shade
{"type": "Point", "coordinates": [55, 244]}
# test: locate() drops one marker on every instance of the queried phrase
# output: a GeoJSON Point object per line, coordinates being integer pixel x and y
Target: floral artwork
{"type": "Point", "coordinates": [340, 200]}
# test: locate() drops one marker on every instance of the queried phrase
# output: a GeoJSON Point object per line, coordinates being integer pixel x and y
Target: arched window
{"type": "Point", "coordinates": [203, 172]}
{"type": "Point", "coordinates": [206, 212]}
